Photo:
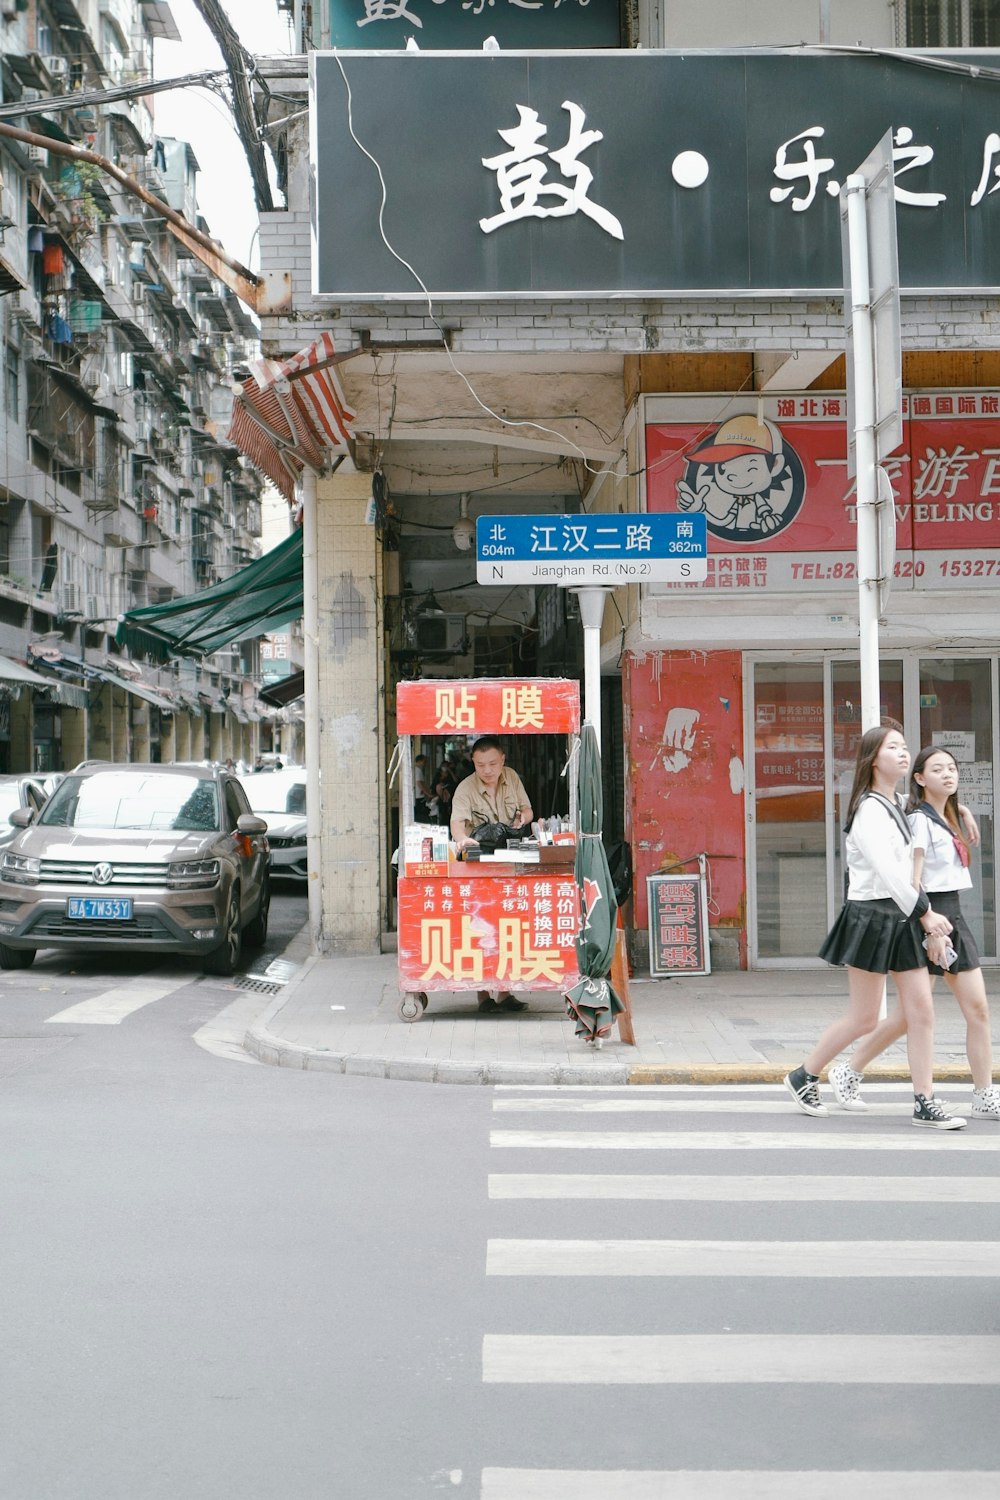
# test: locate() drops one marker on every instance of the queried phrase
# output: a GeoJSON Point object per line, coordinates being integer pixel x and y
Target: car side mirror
{"type": "Point", "coordinates": [249, 823]}
{"type": "Point", "coordinates": [22, 817]}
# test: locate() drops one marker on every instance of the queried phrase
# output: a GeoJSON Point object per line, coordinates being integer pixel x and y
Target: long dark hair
{"type": "Point", "coordinates": [869, 746]}
{"type": "Point", "coordinates": [919, 793]}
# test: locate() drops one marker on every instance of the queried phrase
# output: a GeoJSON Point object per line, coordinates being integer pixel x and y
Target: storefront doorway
{"type": "Point", "coordinates": [804, 722]}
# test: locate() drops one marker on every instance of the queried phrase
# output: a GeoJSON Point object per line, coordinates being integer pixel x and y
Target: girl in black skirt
{"type": "Point", "coordinates": [880, 931]}
{"type": "Point", "coordinates": [942, 831]}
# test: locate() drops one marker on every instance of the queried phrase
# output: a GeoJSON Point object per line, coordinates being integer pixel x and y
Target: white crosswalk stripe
{"type": "Point", "coordinates": [750, 1189]}
{"type": "Point", "coordinates": [111, 1007]}
{"type": "Point", "coordinates": [592, 1257]}
{"type": "Point", "coordinates": [844, 1355]}
{"type": "Point", "coordinates": [733, 1484]}
{"type": "Point", "coordinates": [816, 1137]}
{"type": "Point", "coordinates": [753, 1359]}
{"type": "Point", "coordinates": [641, 1106]}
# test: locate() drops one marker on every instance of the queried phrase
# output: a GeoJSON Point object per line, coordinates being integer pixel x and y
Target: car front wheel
{"type": "Point", "coordinates": [16, 958]}
{"type": "Point", "coordinates": [225, 959]}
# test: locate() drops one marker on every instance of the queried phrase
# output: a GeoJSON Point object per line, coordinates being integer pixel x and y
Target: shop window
{"type": "Point", "coordinates": [956, 712]}
{"type": "Point", "coordinates": [951, 23]}
{"type": "Point", "coordinates": [790, 832]}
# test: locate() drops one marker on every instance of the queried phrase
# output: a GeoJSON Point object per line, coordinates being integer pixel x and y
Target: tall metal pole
{"type": "Point", "coordinates": [310, 675]}
{"type": "Point", "coordinates": [592, 600]}
{"type": "Point", "coordinates": [864, 434]}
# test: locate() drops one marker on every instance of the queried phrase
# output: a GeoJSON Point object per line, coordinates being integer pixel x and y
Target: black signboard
{"type": "Point", "coordinates": [678, 925]}
{"type": "Point", "coordinates": [644, 173]}
{"type": "Point", "coordinates": [441, 24]}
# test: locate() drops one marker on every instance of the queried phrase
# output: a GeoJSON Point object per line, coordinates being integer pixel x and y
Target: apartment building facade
{"type": "Point", "coordinates": [117, 485]}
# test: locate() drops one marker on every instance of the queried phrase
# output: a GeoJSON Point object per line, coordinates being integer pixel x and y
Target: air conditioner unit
{"type": "Point", "coordinates": [56, 66]}
{"type": "Point", "coordinates": [30, 96]}
{"type": "Point", "coordinates": [96, 607]}
{"type": "Point", "coordinates": [38, 156]}
{"type": "Point", "coordinates": [439, 634]}
{"type": "Point", "coordinates": [71, 598]}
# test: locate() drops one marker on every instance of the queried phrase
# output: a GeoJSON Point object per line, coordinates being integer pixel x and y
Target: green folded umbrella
{"type": "Point", "coordinates": [592, 1002]}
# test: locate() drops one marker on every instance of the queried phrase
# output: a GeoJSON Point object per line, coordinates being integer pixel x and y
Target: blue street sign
{"type": "Point", "coordinates": [577, 550]}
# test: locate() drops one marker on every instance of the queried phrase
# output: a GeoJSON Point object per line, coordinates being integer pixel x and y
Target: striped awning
{"type": "Point", "coordinates": [291, 415]}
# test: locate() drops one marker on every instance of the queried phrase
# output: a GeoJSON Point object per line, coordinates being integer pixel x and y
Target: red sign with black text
{"type": "Point", "coordinates": [780, 506]}
{"type": "Point", "coordinates": [482, 930]}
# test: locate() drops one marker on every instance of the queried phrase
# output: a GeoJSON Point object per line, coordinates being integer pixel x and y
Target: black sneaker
{"type": "Point", "coordinates": [930, 1113]}
{"type": "Point", "coordinates": [803, 1088]}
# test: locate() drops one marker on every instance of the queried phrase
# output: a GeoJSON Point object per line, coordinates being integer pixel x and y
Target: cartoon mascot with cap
{"type": "Point", "coordinates": [734, 478]}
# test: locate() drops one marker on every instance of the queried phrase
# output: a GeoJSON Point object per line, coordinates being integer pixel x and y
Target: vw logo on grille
{"type": "Point", "coordinates": [101, 874]}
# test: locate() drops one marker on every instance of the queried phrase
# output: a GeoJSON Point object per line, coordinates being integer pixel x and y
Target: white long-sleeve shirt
{"type": "Point", "coordinates": [880, 859]}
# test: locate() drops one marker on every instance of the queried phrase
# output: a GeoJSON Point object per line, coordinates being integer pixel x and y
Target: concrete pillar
{"type": "Point", "coordinates": [197, 730]}
{"type": "Point", "coordinates": [21, 732]}
{"type": "Point", "coordinates": [168, 738]}
{"type": "Point", "coordinates": [74, 737]}
{"type": "Point", "coordinates": [140, 736]}
{"type": "Point", "coordinates": [121, 726]}
{"type": "Point", "coordinates": [182, 729]}
{"type": "Point", "coordinates": [100, 745]}
{"type": "Point", "coordinates": [217, 747]}
{"type": "Point", "coordinates": [350, 701]}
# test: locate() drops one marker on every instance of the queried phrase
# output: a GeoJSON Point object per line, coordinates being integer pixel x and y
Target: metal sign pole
{"type": "Point", "coordinates": [865, 448]}
{"type": "Point", "coordinates": [592, 601]}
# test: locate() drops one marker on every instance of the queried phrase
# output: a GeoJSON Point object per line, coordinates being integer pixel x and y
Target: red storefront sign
{"type": "Point", "coordinates": [781, 507]}
{"type": "Point", "coordinates": [478, 931]}
{"type": "Point", "coordinates": [530, 705]}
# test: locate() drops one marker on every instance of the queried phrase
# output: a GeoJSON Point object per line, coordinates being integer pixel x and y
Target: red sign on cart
{"type": "Point", "coordinates": [516, 931]}
{"type": "Point", "coordinates": [473, 706]}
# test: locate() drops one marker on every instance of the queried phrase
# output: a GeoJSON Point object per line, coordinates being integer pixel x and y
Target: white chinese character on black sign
{"type": "Point", "coordinates": [521, 174]}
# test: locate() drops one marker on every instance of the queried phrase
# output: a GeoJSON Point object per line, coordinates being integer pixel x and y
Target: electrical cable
{"type": "Point", "coordinates": [504, 421]}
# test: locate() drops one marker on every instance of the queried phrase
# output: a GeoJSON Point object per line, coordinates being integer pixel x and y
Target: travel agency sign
{"type": "Point", "coordinates": [523, 174]}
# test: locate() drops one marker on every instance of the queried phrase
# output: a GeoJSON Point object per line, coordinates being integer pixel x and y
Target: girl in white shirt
{"type": "Point", "coordinates": [941, 864]}
{"type": "Point", "coordinates": [879, 931]}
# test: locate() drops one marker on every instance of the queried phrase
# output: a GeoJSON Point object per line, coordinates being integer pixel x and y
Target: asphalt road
{"type": "Point", "coordinates": [222, 1281]}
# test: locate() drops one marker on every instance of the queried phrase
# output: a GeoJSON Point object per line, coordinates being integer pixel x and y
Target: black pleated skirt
{"type": "Point", "coordinates": [875, 936]}
{"type": "Point", "coordinates": [949, 905]}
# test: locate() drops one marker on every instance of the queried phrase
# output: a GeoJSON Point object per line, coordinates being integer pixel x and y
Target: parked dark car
{"type": "Point", "coordinates": [163, 859]}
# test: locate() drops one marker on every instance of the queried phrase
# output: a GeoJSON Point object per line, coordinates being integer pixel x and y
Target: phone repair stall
{"type": "Point", "coordinates": [509, 920]}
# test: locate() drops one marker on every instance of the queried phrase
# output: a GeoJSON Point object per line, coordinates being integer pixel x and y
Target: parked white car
{"type": "Point", "coordinates": [280, 798]}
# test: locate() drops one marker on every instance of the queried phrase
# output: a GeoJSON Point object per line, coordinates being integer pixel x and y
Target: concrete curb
{"type": "Point", "coordinates": [771, 1073]}
{"type": "Point", "coordinates": [268, 1046]}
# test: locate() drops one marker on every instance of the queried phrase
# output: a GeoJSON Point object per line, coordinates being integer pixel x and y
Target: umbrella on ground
{"type": "Point", "coordinates": [592, 1003]}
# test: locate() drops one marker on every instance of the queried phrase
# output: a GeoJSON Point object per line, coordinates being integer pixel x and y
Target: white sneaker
{"type": "Point", "coordinates": [986, 1103]}
{"type": "Point", "coordinates": [846, 1085]}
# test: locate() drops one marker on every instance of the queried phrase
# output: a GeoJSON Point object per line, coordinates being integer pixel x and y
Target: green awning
{"type": "Point", "coordinates": [263, 596]}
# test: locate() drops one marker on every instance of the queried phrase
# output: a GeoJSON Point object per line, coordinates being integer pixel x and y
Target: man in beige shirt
{"type": "Point", "coordinates": [493, 794]}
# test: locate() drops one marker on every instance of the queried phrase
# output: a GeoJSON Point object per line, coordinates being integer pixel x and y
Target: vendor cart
{"type": "Point", "coordinates": [502, 923]}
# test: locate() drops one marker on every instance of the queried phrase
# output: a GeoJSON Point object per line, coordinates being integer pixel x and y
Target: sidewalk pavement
{"type": "Point", "coordinates": [339, 1014]}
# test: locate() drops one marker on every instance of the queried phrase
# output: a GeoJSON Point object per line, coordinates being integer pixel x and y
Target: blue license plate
{"type": "Point", "coordinates": [100, 908]}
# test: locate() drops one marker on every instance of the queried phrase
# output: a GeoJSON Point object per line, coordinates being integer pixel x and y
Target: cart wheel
{"type": "Point", "coordinates": [412, 1007]}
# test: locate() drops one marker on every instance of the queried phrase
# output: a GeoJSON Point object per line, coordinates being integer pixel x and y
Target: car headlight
{"type": "Point", "coordinates": [20, 869]}
{"type": "Point", "coordinates": [192, 874]}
